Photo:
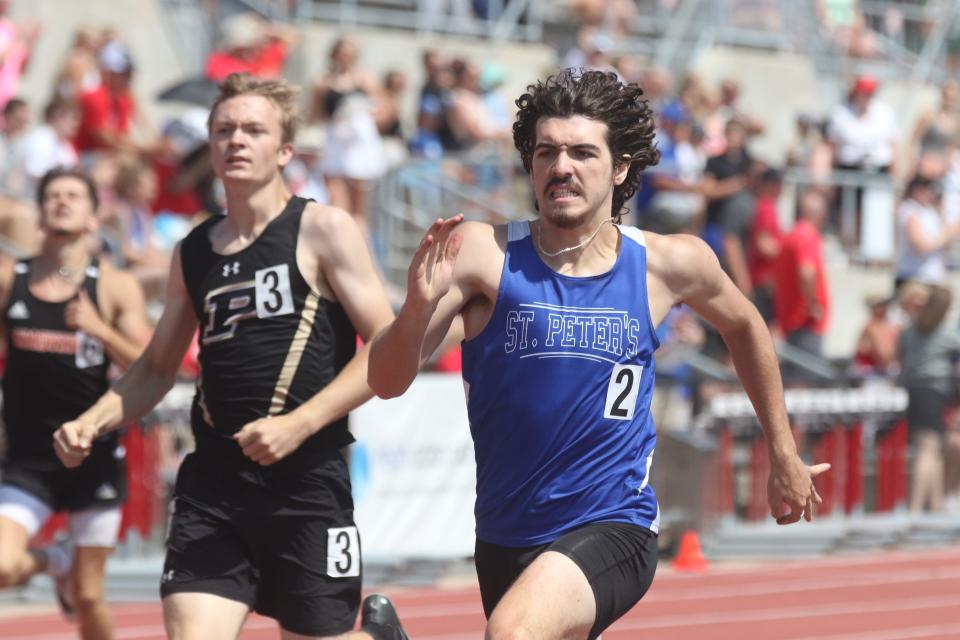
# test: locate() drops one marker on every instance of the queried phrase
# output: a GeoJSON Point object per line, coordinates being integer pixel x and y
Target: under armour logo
{"type": "Point", "coordinates": [106, 491]}
{"type": "Point", "coordinates": [231, 268]}
{"type": "Point", "coordinates": [167, 576]}
{"type": "Point", "coordinates": [18, 311]}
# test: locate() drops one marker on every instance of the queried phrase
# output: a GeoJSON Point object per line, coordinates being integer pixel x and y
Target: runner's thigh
{"type": "Point", "coordinates": [200, 616]}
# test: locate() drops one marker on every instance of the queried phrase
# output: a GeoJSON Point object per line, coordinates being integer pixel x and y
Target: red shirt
{"type": "Point", "coordinates": [266, 63]}
{"type": "Point", "coordinates": [101, 110]}
{"type": "Point", "coordinates": [451, 361]}
{"type": "Point", "coordinates": [802, 246]}
{"type": "Point", "coordinates": [182, 202]}
{"type": "Point", "coordinates": [765, 221]}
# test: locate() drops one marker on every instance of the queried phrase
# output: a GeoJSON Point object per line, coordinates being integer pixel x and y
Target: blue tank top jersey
{"type": "Point", "coordinates": [558, 386]}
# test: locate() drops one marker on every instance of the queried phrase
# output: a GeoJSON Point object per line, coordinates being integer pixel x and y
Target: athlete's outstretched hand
{"type": "Point", "coordinates": [269, 440]}
{"type": "Point", "coordinates": [790, 489]}
{"type": "Point", "coordinates": [73, 441]}
{"type": "Point", "coordinates": [431, 270]}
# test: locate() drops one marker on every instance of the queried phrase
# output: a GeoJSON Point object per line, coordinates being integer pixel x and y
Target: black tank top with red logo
{"type": "Point", "coordinates": [53, 373]}
{"type": "Point", "coordinates": [268, 342]}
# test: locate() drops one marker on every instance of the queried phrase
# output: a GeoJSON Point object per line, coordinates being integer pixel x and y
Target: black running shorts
{"type": "Point", "coordinates": [618, 560]}
{"type": "Point", "coordinates": [100, 482]}
{"type": "Point", "coordinates": [279, 539]}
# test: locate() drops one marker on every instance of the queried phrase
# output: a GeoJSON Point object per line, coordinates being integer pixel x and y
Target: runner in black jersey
{"type": "Point", "coordinates": [280, 287]}
{"type": "Point", "coordinates": [67, 317]}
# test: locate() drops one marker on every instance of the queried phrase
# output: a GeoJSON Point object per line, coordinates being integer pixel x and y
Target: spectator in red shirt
{"type": "Point", "coordinates": [249, 43]}
{"type": "Point", "coordinates": [108, 113]}
{"type": "Point", "coordinates": [801, 298]}
{"type": "Point", "coordinates": [176, 181]}
{"type": "Point", "coordinates": [764, 241]}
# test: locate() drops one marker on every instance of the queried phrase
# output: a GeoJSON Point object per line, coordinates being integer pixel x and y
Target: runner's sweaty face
{"type": "Point", "coordinates": [572, 171]}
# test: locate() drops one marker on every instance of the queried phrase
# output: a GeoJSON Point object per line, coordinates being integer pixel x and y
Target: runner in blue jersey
{"type": "Point", "coordinates": [559, 317]}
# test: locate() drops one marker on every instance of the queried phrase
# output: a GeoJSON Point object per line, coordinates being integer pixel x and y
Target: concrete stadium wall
{"type": "Point", "coordinates": [159, 64]}
{"type": "Point", "coordinates": [384, 49]}
{"type": "Point", "coordinates": [779, 85]}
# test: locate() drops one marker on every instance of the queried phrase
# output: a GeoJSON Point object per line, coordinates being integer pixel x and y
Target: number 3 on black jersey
{"type": "Point", "coordinates": [227, 306]}
{"type": "Point", "coordinates": [273, 291]}
{"type": "Point", "coordinates": [622, 392]}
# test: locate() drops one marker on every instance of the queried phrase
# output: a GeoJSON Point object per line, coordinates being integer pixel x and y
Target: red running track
{"type": "Point", "coordinates": [890, 596]}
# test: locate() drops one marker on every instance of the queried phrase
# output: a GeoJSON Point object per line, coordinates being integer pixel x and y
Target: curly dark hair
{"type": "Point", "coordinates": [601, 96]}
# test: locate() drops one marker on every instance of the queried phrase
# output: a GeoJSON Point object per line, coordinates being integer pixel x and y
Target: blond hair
{"type": "Point", "coordinates": [279, 92]}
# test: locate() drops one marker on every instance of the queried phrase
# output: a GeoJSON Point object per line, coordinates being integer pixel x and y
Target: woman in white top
{"type": "Point", "coordinates": [45, 147]}
{"type": "Point", "coordinates": [924, 233]}
{"type": "Point", "coordinates": [344, 100]}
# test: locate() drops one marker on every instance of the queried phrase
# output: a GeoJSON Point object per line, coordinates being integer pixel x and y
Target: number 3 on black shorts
{"type": "Point", "coordinates": [622, 392]}
{"type": "Point", "coordinates": [343, 552]}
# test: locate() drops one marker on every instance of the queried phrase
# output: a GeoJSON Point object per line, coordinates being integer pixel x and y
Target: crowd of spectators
{"type": "Point", "coordinates": [774, 246]}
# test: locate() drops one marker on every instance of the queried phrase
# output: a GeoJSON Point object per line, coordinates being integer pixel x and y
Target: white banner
{"type": "Point", "coordinates": [413, 472]}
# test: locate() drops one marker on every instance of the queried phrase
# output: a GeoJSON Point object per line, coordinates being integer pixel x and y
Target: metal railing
{"type": "Point", "coordinates": [670, 37]}
{"type": "Point", "coordinates": [495, 19]}
{"type": "Point", "coordinates": [480, 184]}
{"type": "Point", "coordinates": [411, 197]}
{"type": "Point", "coordinates": [417, 193]}
{"type": "Point", "coordinates": [865, 209]}
{"type": "Point", "coordinates": [917, 51]}
{"type": "Point", "coordinates": [190, 25]}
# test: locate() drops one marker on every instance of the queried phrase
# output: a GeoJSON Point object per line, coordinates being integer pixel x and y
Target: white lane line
{"type": "Point", "coordinates": [806, 584]}
{"type": "Point", "coordinates": [644, 622]}
{"type": "Point", "coordinates": [888, 560]}
{"type": "Point", "coordinates": [907, 633]}
{"type": "Point", "coordinates": [458, 609]}
{"type": "Point", "coordinates": [800, 612]}
{"type": "Point", "coordinates": [136, 633]}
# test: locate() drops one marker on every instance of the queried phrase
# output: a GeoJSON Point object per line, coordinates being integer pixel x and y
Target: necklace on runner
{"type": "Point", "coordinates": [554, 254]}
{"type": "Point", "coordinates": [68, 273]}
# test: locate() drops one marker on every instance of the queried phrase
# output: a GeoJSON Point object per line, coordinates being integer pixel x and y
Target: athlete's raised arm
{"type": "Point", "coordinates": [145, 383]}
{"type": "Point", "coordinates": [441, 281]}
{"type": "Point", "coordinates": [340, 258]}
{"type": "Point", "coordinates": [683, 269]}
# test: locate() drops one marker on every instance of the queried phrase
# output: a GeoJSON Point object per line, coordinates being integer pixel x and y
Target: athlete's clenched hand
{"type": "Point", "coordinates": [82, 314]}
{"type": "Point", "coordinates": [431, 270]}
{"type": "Point", "coordinates": [73, 441]}
{"type": "Point", "coordinates": [269, 440]}
{"type": "Point", "coordinates": [790, 490]}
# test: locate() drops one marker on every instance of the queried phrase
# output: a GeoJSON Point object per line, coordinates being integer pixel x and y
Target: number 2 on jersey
{"type": "Point", "coordinates": [622, 392]}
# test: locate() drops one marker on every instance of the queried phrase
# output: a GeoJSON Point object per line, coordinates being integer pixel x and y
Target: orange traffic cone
{"type": "Point", "coordinates": [690, 555]}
